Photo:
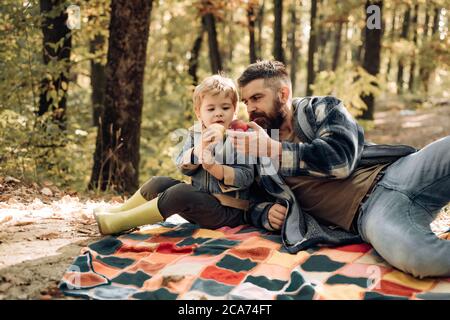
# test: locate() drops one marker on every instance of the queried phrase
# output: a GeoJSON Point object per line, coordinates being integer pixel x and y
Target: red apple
{"type": "Point", "coordinates": [239, 125]}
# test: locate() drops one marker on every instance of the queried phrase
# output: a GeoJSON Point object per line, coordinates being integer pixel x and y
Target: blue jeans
{"type": "Point", "coordinates": [396, 217]}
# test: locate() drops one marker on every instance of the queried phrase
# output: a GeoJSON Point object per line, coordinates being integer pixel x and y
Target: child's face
{"type": "Point", "coordinates": [216, 109]}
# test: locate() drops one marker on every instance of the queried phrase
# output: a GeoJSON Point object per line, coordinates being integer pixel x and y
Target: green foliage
{"type": "Point", "coordinates": [29, 149]}
{"type": "Point", "coordinates": [348, 83]}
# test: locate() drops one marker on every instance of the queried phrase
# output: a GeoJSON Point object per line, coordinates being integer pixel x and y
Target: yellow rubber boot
{"type": "Point", "coordinates": [135, 201]}
{"type": "Point", "coordinates": [112, 223]}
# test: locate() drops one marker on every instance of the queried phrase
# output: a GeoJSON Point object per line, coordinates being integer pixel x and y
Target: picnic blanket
{"type": "Point", "coordinates": [186, 262]}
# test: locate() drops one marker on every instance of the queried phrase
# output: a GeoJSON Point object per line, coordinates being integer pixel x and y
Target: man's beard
{"type": "Point", "coordinates": [272, 120]}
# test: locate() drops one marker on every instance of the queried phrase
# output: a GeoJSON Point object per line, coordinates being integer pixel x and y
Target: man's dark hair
{"type": "Point", "coordinates": [271, 71]}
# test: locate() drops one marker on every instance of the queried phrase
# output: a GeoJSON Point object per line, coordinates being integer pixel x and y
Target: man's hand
{"type": "Point", "coordinates": [256, 143]}
{"type": "Point", "coordinates": [277, 215]}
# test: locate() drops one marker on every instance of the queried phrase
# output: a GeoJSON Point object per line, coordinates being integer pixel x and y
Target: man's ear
{"type": "Point", "coordinates": [283, 94]}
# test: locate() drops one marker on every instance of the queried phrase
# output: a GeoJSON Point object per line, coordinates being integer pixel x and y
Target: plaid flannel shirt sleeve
{"type": "Point", "coordinates": [186, 161]}
{"type": "Point", "coordinates": [337, 145]}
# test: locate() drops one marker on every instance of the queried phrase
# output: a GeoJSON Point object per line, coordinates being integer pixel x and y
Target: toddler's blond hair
{"type": "Point", "coordinates": [214, 85]}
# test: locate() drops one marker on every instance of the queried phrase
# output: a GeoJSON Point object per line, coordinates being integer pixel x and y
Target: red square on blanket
{"type": "Point", "coordinates": [222, 275]}
{"type": "Point", "coordinates": [390, 288]}
{"type": "Point", "coordinates": [255, 254]}
{"type": "Point", "coordinates": [168, 247]}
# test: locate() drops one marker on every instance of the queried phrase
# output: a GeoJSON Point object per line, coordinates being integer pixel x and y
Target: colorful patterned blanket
{"type": "Point", "coordinates": [186, 262]}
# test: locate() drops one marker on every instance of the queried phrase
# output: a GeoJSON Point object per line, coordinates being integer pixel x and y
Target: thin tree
{"type": "Point", "coordinates": [292, 40]}
{"type": "Point", "coordinates": [391, 38]}
{"type": "Point", "coordinates": [278, 52]}
{"type": "Point", "coordinates": [372, 54]}
{"type": "Point", "coordinates": [425, 71]}
{"type": "Point", "coordinates": [259, 24]}
{"type": "Point", "coordinates": [412, 69]}
{"type": "Point", "coordinates": [435, 28]}
{"type": "Point", "coordinates": [337, 45]}
{"type": "Point", "coordinates": [312, 48]}
{"type": "Point", "coordinates": [404, 35]}
{"type": "Point", "coordinates": [323, 36]}
{"type": "Point", "coordinates": [57, 45]}
{"type": "Point", "coordinates": [323, 54]}
{"type": "Point", "coordinates": [116, 157]}
{"type": "Point", "coordinates": [209, 21]}
{"type": "Point", "coordinates": [195, 53]}
{"type": "Point", "coordinates": [98, 79]}
{"type": "Point", "coordinates": [358, 52]}
{"type": "Point", "coordinates": [251, 21]}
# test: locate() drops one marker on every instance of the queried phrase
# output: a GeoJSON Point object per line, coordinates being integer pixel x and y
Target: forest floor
{"type": "Point", "coordinates": [42, 229]}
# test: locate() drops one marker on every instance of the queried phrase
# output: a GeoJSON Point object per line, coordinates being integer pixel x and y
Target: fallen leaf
{"type": "Point", "coordinates": [13, 201]}
{"type": "Point", "coordinates": [86, 231]}
{"type": "Point", "coordinates": [5, 286]}
{"type": "Point", "coordinates": [116, 199]}
{"type": "Point", "coordinates": [48, 236]}
{"type": "Point", "coordinates": [9, 179]}
{"type": "Point", "coordinates": [47, 192]}
{"type": "Point", "coordinates": [6, 219]}
{"type": "Point", "coordinates": [47, 183]}
{"type": "Point", "coordinates": [85, 217]}
{"type": "Point", "coordinates": [23, 223]}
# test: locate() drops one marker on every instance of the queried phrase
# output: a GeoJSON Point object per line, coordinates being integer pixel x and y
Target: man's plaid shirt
{"type": "Point", "coordinates": [332, 148]}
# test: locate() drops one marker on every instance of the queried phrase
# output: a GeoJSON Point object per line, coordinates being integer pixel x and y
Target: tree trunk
{"type": "Point", "coordinates": [323, 54]}
{"type": "Point", "coordinates": [337, 46]}
{"type": "Point", "coordinates": [404, 35]}
{"type": "Point", "coordinates": [412, 69]}
{"type": "Point", "coordinates": [278, 52]}
{"type": "Point", "coordinates": [228, 48]}
{"type": "Point", "coordinates": [195, 53]}
{"type": "Point", "coordinates": [435, 28]}
{"type": "Point", "coordinates": [425, 73]}
{"type": "Point", "coordinates": [214, 53]}
{"type": "Point", "coordinates": [312, 48]}
{"type": "Point", "coordinates": [259, 23]}
{"type": "Point", "coordinates": [392, 38]}
{"type": "Point", "coordinates": [293, 46]}
{"type": "Point", "coordinates": [98, 80]}
{"type": "Point", "coordinates": [251, 18]}
{"type": "Point", "coordinates": [426, 28]}
{"type": "Point", "coordinates": [359, 52]}
{"type": "Point", "coordinates": [116, 157]}
{"type": "Point", "coordinates": [371, 62]}
{"type": "Point", "coordinates": [53, 91]}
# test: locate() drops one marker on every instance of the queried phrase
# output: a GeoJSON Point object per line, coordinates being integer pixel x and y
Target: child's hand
{"type": "Point", "coordinates": [212, 135]}
{"type": "Point", "coordinates": [207, 158]}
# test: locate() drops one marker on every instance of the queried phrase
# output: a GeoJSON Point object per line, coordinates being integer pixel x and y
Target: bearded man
{"type": "Point", "coordinates": [323, 191]}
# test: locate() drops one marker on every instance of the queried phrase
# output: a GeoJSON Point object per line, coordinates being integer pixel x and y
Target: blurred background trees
{"type": "Point", "coordinates": [92, 106]}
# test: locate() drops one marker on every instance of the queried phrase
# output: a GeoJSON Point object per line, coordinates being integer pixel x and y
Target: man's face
{"type": "Point", "coordinates": [263, 104]}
